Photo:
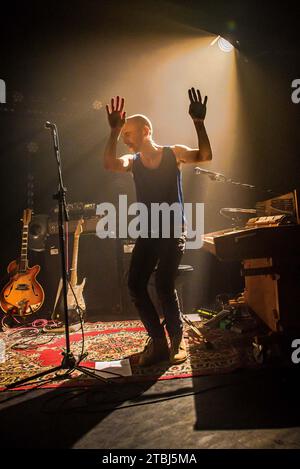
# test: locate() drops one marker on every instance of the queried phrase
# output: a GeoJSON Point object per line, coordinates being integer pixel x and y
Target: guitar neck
{"type": "Point", "coordinates": [24, 250]}
{"type": "Point", "coordinates": [73, 279]}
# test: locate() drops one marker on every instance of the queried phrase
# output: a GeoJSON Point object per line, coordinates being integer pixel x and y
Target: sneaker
{"type": "Point", "coordinates": [156, 350]}
{"type": "Point", "coordinates": [178, 353]}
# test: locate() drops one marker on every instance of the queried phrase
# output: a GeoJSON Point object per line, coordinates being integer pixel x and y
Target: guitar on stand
{"type": "Point", "coordinates": [76, 303]}
{"type": "Point", "coordinates": [22, 295]}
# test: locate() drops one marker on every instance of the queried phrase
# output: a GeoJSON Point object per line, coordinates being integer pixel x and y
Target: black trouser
{"type": "Point", "coordinates": [166, 254]}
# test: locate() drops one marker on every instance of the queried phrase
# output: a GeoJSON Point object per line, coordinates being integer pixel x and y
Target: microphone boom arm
{"type": "Point", "coordinates": [219, 177]}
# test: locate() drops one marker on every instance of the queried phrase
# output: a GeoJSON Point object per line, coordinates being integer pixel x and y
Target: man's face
{"type": "Point", "coordinates": [133, 136]}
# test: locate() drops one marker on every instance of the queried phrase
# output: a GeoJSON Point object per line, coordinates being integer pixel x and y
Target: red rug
{"type": "Point", "coordinates": [106, 341]}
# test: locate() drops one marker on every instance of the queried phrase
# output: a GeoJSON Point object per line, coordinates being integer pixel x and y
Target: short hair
{"type": "Point", "coordinates": [141, 121]}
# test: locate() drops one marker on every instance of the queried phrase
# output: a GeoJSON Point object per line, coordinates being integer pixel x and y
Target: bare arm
{"type": "Point", "coordinates": [111, 162]}
{"type": "Point", "coordinates": [116, 118]}
{"type": "Point", "coordinates": [197, 111]}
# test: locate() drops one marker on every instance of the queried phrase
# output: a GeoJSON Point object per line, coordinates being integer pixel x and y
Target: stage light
{"type": "Point", "coordinates": [224, 45]}
{"type": "Point", "coordinates": [97, 105]}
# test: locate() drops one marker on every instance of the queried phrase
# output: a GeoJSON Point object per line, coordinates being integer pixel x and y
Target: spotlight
{"type": "Point", "coordinates": [225, 45]}
{"type": "Point", "coordinates": [97, 105]}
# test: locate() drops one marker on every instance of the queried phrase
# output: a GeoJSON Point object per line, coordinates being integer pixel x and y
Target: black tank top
{"type": "Point", "coordinates": [159, 185]}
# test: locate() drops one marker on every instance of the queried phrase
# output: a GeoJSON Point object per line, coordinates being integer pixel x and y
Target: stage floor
{"type": "Point", "coordinates": [242, 408]}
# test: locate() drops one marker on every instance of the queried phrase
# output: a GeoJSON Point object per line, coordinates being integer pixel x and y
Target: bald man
{"type": "Point", "coordinates": [156, 171]}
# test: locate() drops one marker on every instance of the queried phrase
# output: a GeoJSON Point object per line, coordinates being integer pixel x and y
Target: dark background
{"type": "Point", "coordinates": [62, 56]}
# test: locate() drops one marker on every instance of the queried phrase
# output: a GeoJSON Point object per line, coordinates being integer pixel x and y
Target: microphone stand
{"type": "Point", "coordinates": [69, 362]}
{"type": "Point", "coordinates": [219, 177]}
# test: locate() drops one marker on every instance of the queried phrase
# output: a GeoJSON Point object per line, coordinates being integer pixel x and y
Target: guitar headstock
{"type": "Point", "coordinates": [27, 216]}
{"type": "Point", "coordinates": [79, 228]}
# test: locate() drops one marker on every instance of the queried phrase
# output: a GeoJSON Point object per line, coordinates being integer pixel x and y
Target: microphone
{"type": "Point", "coordinates": [53, 128]}
{"type": "Point", "coordinates": [49, 125]}
{"type": "Point", "coordinates": [211, 174]}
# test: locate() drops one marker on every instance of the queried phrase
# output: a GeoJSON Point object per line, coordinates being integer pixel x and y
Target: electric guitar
{"type": "Point", "coordinates": [22, 295]}
{"type": "Point", "coordinates": [74, 290]}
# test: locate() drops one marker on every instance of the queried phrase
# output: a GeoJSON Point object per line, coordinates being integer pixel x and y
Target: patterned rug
{"type": "Point", "coordinates": [216, 351]}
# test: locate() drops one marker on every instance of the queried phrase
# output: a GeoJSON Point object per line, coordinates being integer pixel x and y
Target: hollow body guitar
{"type": "Point", "coordinates": [74, 289]}
{"type": "Point", "coordinates": [22, 295]}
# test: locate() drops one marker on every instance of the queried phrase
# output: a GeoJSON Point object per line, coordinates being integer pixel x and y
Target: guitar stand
{"type": "Point", "coordinates": [69, 362]}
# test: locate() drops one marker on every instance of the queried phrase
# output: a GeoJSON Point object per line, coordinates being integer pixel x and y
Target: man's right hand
{"type": "Point", "coordinates": [115, 114]}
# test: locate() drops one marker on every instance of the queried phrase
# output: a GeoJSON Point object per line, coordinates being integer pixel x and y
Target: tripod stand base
{"type": "Point", "coordinates": [68, 363]}
{"type": "Point", "coordinates": [27, 380]}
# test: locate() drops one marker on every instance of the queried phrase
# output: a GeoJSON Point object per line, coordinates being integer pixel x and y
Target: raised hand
{"type": "Point", "coordinates": [197, 109]}
{"type": "Point", "coordinates": [116, 114]}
